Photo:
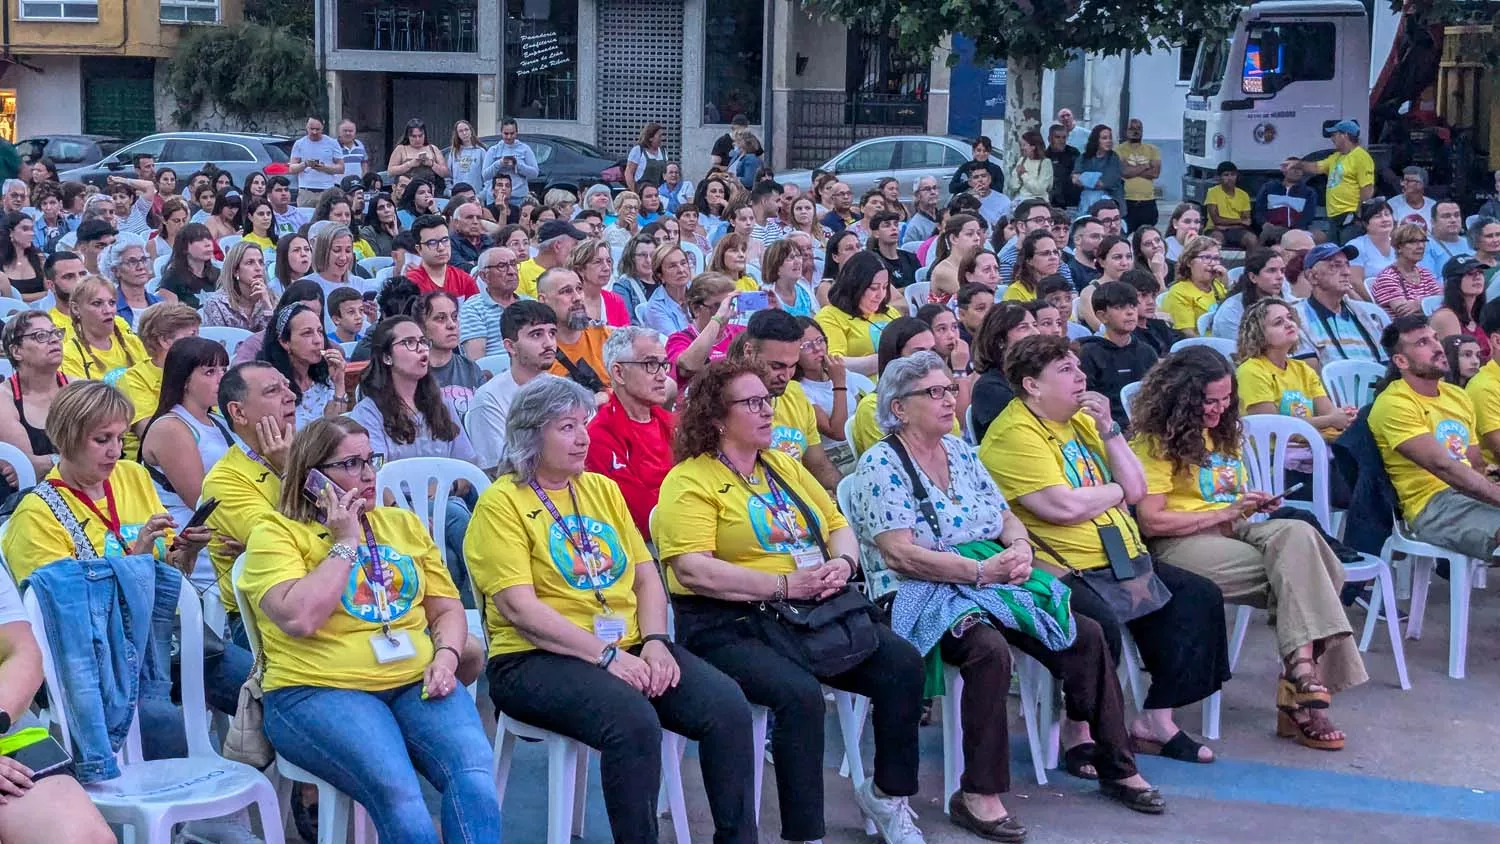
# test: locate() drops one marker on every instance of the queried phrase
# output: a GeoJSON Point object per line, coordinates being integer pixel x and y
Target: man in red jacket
{"type": "Point", "coordinates": [630, 438]}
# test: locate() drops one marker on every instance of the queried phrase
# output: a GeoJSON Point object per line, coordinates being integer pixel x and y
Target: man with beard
{"type": "Point", "coordinates": [1427, 436]}
{"type": "Point", "coordinates": [773, 339]}
{"type": "Point", "coordinates": [529, 330]}
{"type": "Point", "coordinates": [630, 439]}
{"type": "Point", "coordinates": [1140, 164]}
{"type": "Point", "coordinates": [1083, 264]}
{"type": "Point", "coordinates": [580, 346]}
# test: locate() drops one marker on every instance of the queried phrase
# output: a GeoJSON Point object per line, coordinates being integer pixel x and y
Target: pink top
{"type": "Point", "coordinates": [1389, 285]}
{"type": "Point", "coordinates": [616, 314]}
{"type": "Point", "coordinates": [678, 343]}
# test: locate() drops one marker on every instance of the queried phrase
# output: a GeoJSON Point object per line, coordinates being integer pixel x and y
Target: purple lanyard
{"type": "Point", "coordinates": [582, 543]}
{"type": "Point", "coordinates": [780, 510]}
{"type": "Point", "coordinates": [254, 455]}
{"type": "Point", "coordinates": [378, 577]}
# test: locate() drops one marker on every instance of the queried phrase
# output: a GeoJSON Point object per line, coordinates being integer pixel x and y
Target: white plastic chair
{"type": "Point", "coordinates": [1222, 345]}
{"type": "Point", "coordinates": [160, 264]}
{"type": "Point", "coordinates": [1077, 331]}
{"type": "Point", "coordinates": [1462, 572]}
{"type": "Point", "coordinates": [25, 472]}
{"type": "Point", "coordinates": [970, 436]}
{"type": "Point", "coordinates": [640, 313]}
{"type": "Point", "coordinates": [1350, 383]}
{"type": "Point", "coordinates": [1431, 304]}
{"type": "Point", "coordinates": [495, 364]}
{"type": "Point", "coordinates": [916, 296]}
{"type": "Point", "coordinates": [423, 485]}
{"type": "Point", "coordinates": [1264, 454]}
{"type": "Point", "coordinates": [849, 435]}
{"type": "Point", "coordinates": [1235, 273]}
{"type": "Point", "coordinates": [228, 241]}
{"type": "Point", "coordinates": [1038, 713]}
{"type": "Point", "coordinates": [152, 797]}
{"type": "Point", "coordinates": [1205, 324]}
{"type": "Point", "coordinates": [10, 307]}
{"type": "Point", "coordinates": [1138, 682]}
{"type": "Point", "coordinates": [229, 338]}
{"type": "Point", "coordinates": [376, 264]}
{"type": "Point", "coordinates": [1127, 395]}
{"type": "Point", "coordinates": [336, 810]}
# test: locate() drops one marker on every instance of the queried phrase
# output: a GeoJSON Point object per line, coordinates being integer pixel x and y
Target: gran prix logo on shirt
{"type": "Point", "coordinates": [1081, 466]}
{"type": "Point", "coordinates": [1222, 479]}
{"type": "Point", "coordinates": [789, 440]}
{"type": "Point", "coordinates": [1453, 436]}
{"type": "Point", "coordinates": [1294, 403]}
{"type": "Point", "coordinates": [113, 548]}
{"type": "Point", "coordinates": [401, 585]}
{"type": "Point", "coordinates": [771, 532]}
{"type": "Point", "coordinates": [603, 541]}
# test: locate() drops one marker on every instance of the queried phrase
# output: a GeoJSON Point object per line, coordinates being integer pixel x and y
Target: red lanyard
{"type": "Point", "coordinates": [111, 522]}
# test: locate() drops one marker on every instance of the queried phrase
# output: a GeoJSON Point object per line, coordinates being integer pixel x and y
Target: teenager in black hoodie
{"type": "Point", "coordinates": [1120, 356]}
{"type": "Point", "coordinates": [1158, 333]}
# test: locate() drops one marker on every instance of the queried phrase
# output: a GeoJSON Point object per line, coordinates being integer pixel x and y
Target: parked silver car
{"type": "Point", "coordinates": [906, 157]}
{"type": "Point", "coordinates": [239, 154]}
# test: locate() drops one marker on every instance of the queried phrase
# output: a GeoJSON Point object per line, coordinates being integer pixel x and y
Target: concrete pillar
{"type": "Point", "coordinates": [335, 99]}
{"type": "Point", "coordinates": [937, 91]}
{"type": "Point", "coordinates": [487, 109]}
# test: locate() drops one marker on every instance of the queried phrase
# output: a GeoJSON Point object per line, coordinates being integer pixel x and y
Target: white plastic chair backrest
{"type": "Point", "coordinates": [923, 273]}
{"type": "Point", "coordinates": [1222, 345]}
{"type": "Point", "coordinates": [25, 472]}
{"type": "Point", "coordinates": [1127, 395]}
{"type": "Point", "coordinates": [845, 497]}
{"type": "Point", "coordinates": [1161, 299]}
{"type": "Point", "coordinates": [970, 436]}
{"type": "Point", "coordinates": [1350, 383]}
{"type": "Point", "coordinates": [423, 484]}
{"type": "Point", "coordinates": [377, 263]}
{"type": "Point", "coordinates": [229, 338]}
{"type": "Point", "coordinates": [229, 240]}
{"type": "Point", "coordinates": [160, 264]}
{"type": "Point", "coordinates": [916, 296]}
{"type": "Point", "coordinates": [640, 313]}
{"type": "Point", "coordinates": [1235, 273]}
{"type": "Point", "coordinates": [6, 369]}
{"type": "Point", "coordinates": [1205, 324]}
{"type": "Point", "coordinates": [495, 364]}
{"type": "Point", "coordinates": [849, 434]}
{"type": "Point", "coordinates": [1264, 453]}
{"type": "Point", "coordinates": [1078, 331]}
{"type": "Point", "coordinates": [8, 307]}
{"type": "Point", "coordinates": [1431, 303]}
{"type": "Point", "coordinates": [190, 647]}
{"type": "Point", "coordinates": [348, 348]}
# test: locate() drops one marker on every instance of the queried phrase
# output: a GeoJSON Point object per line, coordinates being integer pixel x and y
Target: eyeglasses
{"type": "Point", "coordinates": [412, 344]}
{"type": "Point", "coordinates": [1207, 256]}
{"type": "Point", "coordinates": [356, 465]}
{"type": "Point", "coordinates": [934, 393]}
{"type": "Point", "coordinates": [437, 242]}
{"type": "Point", "coordinates": [501, 265]}
{"type": "Point", "coordinates": [45, 336]}
{"type": "Point", "coordinates": [756, 404]}
{"type": "Point", "coordinates": [139, 261]}
{"type": "Point", "coordinates": [1038, 221]}
{"type": "Point", "coordinates": [815, 343]}
{"type": "Point", "coordinates": [652, 367]}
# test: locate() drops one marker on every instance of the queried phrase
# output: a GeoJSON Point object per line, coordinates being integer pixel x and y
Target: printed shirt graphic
{"type": "Point", "coordinates": [34, 537]}
{"type": "Point", "coordinates": [514, 541]}
{"type": "Point", "coordinates": [1401, 413]}
{"type": "Point", "coordinates": [712, 511]}
{"type": "Point", "coordinates": [1022, 458]}
{"type": "Point", "coordinates": [340, 654]}
{"type": "Point", "coordinates": [794, 428]}
{"type": "Point", "coordinates": [1196, 489]}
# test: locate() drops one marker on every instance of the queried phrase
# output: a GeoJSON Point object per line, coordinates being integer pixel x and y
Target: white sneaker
{"type": "Point", "coordinates": [230, 830]}
{"type": "Point", "coordinates": [893, 816]}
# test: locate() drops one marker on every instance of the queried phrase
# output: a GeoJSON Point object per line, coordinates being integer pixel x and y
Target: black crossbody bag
{"type": "Point", "coordinates": [826, 637]}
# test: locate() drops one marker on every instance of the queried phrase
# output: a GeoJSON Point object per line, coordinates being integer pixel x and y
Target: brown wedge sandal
{"type": "Point", "coordinates": [1302, 691]}
{"type": "Point", "coordinates": [1312, 732]}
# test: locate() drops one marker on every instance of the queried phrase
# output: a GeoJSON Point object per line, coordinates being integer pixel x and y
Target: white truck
{"type": "Point", "coordinates": [1291, 68]}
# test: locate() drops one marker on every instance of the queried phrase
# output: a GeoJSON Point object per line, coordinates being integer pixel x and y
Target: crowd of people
{"type": "Point", "coordinates": [845, 440]}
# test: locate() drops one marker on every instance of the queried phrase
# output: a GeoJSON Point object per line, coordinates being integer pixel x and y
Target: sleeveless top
{"type": "Point", "coordinates": [41, 444]}
{"type": "Point", "coordinates": [214, 441]}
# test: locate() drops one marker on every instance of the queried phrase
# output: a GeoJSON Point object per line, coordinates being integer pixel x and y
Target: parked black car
{"type": "Point", "coordinates": [68, 150]}
{"type": "Point", "coordinates": [568, 164]}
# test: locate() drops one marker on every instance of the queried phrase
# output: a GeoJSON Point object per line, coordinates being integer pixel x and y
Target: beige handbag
{"type": "Point", "coordinates": [246, 740]}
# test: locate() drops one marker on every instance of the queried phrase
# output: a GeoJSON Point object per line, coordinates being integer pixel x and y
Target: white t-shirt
{"type": "Point", "coordinates": [11, 610]}
{"type": "Point", "coordinates": [820, 393]}
{"type": "Point", "coordinates": [485, 421]}
{"type": "Point", "coordinates": [325, 150]}
{"type": "Point", "coordinates": [1407, 214]}
{"type": "Point", "coordinates": [638, 158]}
{"type": "Point", "coordinates": [1370, 258]}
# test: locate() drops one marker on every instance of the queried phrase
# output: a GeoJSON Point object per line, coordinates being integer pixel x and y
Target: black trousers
{"type": "Point", "coordinates": [1140, 212]}
{"type": "Point", "coordinates": [1183, 645]}
{"type": "Point", "coordinates": [573, 698]}
{"type": "Point", "coordinates": [891, 678]}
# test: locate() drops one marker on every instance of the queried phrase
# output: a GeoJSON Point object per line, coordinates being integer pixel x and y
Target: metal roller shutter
{"type": "Point", "coordinates": [640, 72]}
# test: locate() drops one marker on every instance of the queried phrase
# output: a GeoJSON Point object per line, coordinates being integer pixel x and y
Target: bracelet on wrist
{"type": "Point", "coordinates": [450, 649]}
{"type": "Point", "coordinates": [656, 637]}
{"type": "Point", "coordinates": [781, 587]}
{"type": "Point", "coordinates": [979, 572]}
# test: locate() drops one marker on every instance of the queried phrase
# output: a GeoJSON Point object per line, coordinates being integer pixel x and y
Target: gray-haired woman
{"type": "Point", "coordinates": [578, 639]}
{"type": "Point", "coordinates": [931, 521]}
{"type": "Point", "coordinates": [125, 264]}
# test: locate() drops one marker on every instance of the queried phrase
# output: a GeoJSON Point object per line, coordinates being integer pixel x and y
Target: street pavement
{"type": "Point", "coordinates": [1420, 765]}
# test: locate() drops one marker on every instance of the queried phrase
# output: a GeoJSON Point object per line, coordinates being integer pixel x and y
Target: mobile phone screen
{"type": "Point", "coordinates": [752, 301]}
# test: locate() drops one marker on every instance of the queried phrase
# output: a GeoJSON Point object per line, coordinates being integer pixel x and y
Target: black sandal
{"type": "Point", "coordinates": [1144, 800]}
{"type": "Point", "coordinates": [1077, 756]}
{"type": "Point", "coordinates": [1182, 747]}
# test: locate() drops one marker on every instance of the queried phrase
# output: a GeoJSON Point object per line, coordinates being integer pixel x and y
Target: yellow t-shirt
{"type": "Point", "coordinates": [1347, 173]}
{"type": "Point", "coordinates": [853, 337]}
{"type": "Point", "coordinates": [746, 284]}
{"type": "Point", "coordinates": [794, 428]}
{"type": "Point", "coordinates": [142, 385]}
{"type": "Point", "coordinates": [1138, 188]}
{"type": "Point", "coordinates": [340, 654]}
{"type": "Point", "coordinates": [1292, 390]}
{"type": "Point", "coordinates": [1017, 292]}
{"type": "Point", "coordinates": [529, 271]}
{"type": "Point", "coordinates": [265, 243]}
{"type": "Point", "coordinates": [1484, 393]}
{"type": "Point", "coordinates": [247, 493]}
{"type": "Point", "coordinates": [1229, 205]}
{"type": "Point", "coordinates": [514, 541]}
{"type": "Point", "coordinates": [34, 537]}
{"type": "Point", "coordinates": [1185, 302]}
{"type": "Point", "coordinates": [1401, 413]}
{"type": "Point", "coordinates": [82, 361]}
{"type": "Point", "coordinates": [867, 428]}
{"type": "Point", "coordinates": [1196, 489]}
{"type": "Point", "coordinates": [1024, 454]}
{"type": "Point", "coordinates": [714, 511]}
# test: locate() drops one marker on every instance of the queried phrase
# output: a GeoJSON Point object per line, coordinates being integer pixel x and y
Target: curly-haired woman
{"type": "Point", "coordinates": [1196, 513]}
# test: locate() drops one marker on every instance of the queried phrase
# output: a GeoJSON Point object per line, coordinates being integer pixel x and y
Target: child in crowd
{"type": "Point", "coordinates": [346, 312]}
{"type": "Point", "coordinates": [1120, 356]}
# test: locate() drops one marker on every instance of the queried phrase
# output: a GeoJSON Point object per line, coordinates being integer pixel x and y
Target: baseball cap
{"type": "Point", "coordinates": [560, 228]}
{"type": "Point", "coordinates": [1327, 250]}
{"type": "Point", "coordinates": [351, 183]}
{"type": "Point", "coordinates": [1347, 126]}
{"type": "Point", "coordinates": [1461, 266]}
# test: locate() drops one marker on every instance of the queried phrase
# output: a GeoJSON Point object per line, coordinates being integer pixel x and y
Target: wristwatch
{"type": "Point", "coordinates": [1111, 432]}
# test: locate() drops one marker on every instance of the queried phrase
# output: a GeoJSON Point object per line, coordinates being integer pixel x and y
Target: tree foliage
{"type": "Point", "coordinates": [249, 71]}
{"type": "Point", "coordinates": [295, 16]}
{"type": "Point", "coordinates": [1045, 32]}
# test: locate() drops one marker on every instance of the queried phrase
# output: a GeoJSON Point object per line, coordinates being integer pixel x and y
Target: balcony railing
{"type": "Point", "coordinates": [439, 26]}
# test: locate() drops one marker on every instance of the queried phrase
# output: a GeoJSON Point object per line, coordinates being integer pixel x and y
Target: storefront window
{"type": "Point", "coordinates": [422, 26]}
{"type": "Point", "coordinates": [541, 59]}
{"type": "Point", "coordinates": [732, 60]}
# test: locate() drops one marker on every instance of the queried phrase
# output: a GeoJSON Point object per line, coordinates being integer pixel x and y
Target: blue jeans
{"type": "Point", "coordinates": [455, 525]}
{"type": "Point", "coordinates": [372, 745]}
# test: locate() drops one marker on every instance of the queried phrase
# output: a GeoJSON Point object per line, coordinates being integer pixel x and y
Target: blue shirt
{"type": "Point", "coordinates": [123, 309]}
{"type": "Point", "coordinates": [664, 314]}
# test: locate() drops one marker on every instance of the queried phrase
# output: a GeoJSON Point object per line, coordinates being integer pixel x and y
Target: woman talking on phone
{"type": "Point", "coordinates": [362, 631]}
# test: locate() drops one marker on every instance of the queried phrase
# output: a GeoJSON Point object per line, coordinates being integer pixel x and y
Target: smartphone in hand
{"type": "Point", "coordinates": [315, 484]}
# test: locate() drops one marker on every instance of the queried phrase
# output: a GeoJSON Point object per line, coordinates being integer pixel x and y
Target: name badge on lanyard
{"type": "Point", "coordinates": [389, 645]}
{"type": "Point", "coordinates": [609, 626]}
{"type": "Point", "coordinates": [805, 552]}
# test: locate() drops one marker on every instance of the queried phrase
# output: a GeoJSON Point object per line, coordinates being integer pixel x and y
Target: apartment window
{"type": "Point", "coordinates": [732, 60]}
{"type": "Point", "coordinates": [59, 11]}
{"type": "Point", "coordinates": [189, 11]}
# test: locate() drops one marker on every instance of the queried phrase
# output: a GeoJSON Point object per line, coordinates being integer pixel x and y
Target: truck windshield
{"type": "Point", "coordinates": [1208, 71]}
